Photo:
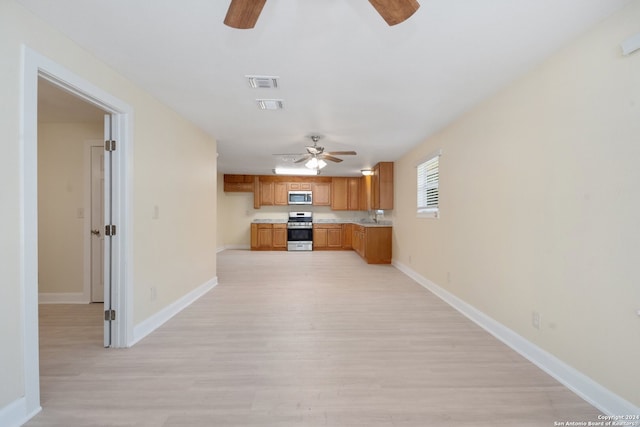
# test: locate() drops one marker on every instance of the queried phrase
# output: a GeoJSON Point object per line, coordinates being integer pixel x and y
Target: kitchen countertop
{"type": "Point", "coordinates": [365, 223]}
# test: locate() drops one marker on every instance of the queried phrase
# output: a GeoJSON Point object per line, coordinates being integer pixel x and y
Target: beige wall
{"type": "Point", "coordinates": [173, 167]}
{"type": "Point", "coordinates": [61, 192]}
{"type": "Point", "coordinates": [540, 207]}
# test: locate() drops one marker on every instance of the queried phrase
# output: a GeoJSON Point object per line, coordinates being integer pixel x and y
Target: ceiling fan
{"type": "Point", "coordinates": [315, 157]}
{"type": "Point", "coordinates": [243, 14]}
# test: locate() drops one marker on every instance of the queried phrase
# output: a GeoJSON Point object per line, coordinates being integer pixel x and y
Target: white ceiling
{"type": "Point", "coordinates": [344, 74]}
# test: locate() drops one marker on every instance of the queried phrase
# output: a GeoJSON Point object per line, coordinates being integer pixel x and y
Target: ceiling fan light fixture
{"type": "Point", "coordinates": [315, 163]}
{"type": "Point", "coordinates": [295, 171]}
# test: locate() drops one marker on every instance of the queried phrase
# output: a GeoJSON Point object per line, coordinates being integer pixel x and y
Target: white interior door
{"type": "Point", "coordinates": [97, 223]}
{"type": "Point", "coordinates": [107, 231]}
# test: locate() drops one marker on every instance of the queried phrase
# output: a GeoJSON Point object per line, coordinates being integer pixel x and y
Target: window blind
{"type": "Point", "coordinates": [428, 182]}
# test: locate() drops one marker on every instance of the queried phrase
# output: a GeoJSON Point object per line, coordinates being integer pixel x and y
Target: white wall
{"type": "Point", "coordinates": [173, 167]}
{"type": "Point", "coordinates": [540, 207]}
{"type": "Point", "coordinates": [61, 192]}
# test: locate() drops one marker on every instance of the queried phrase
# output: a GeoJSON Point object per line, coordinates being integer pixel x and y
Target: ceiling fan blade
{"type": "Point", "coordinates": [342, 153]}
{"type": "Point", "coordinates": [329, 157]}
{"type": "Point", "coordinates": [395, 11]}
{"type": "Point", "coordinates": [243, 14]}
{"type": "Point", "coordinates": [304, 159]}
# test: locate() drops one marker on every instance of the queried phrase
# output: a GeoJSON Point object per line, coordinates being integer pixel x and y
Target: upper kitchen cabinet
{"type": "Point", "coordinates": [267, 193]}
{"type": "Point", "coordinates": [382, 186]}
{"type": "Point", "coordinates": [340, 193]}
{"type": "Point", "coordinates": [321, 192]}
{"type": "Point", "coordinates": [294, 186]}
{"type": "Point", "coordinates": [345, 194]}
{"type": "Point", "coordinates": [281, 193]}
{"type": "Point", "coordinates": [238, 183]}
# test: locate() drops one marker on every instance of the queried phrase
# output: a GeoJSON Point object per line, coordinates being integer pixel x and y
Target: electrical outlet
{"type": "Point", "coordinates": [154, 293]}
{"type": "Point", "coordinates": [448, 277]}
{"type": "Point", "coordinates": [535, 320]}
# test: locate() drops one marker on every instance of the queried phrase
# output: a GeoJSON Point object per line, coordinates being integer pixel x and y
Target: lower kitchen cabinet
{"type": "Point", "coordinates": [268, 237]}
{"type": "Point", "coordinates": [373, 244]}
{"type": "Point", "coordinates": [279, 238]}
{"type": "Point", "coordinates": [327, 236]}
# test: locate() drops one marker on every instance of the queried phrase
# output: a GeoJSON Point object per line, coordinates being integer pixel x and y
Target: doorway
{"type": "Point", "coordinates": [70, 198]}
{"type": "Point", "coordinates": [37, 66]}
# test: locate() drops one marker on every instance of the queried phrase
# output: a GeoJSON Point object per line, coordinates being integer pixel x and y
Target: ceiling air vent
{"type": "Point", "coordinates": [263, 82]}
{"type": "Point", "coordinates": [270, 104]}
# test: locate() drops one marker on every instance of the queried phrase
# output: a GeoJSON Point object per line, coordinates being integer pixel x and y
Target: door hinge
{"type": "Point", "coordinates": [109, 315]}
{"type": "Point", "coordinates": [110, 145]}
{"type": "Point", "coordinates": [109, 230]}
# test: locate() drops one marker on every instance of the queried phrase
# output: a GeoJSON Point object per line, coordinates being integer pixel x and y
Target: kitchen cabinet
{"type": "Point", "coordinates": [364, 201]}
{"type": "Point", "coordinates": [347, 236]}
{"type": "Point", "coordinates": [345, 193]}
{"type": "Point", "coordinates": [238, 183]}
{"type": "Point", "coordinates": [349, 193]}
{"type": "Point", "coordinates": [279, 237]}
{"type": "Point", "coordinates": [382, 186]}
{"type": "Point", "coordinates": [280, 193]}
{"type": "Point", "coordinates": [327, 236]}
{"type": "Point", "coordinates": [321, 193]}
{"type": "Point", "coordinates": [293, 186]}
{"type": "Point", "coordinates": [339, 194]}
{"type": "Point", "coordinates": [373, 244]}
{"type": "Point", "coordinates": [268, 237]}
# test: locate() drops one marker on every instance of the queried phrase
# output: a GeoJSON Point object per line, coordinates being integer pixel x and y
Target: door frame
{"type": "Point", "coordinates": [34, 66]}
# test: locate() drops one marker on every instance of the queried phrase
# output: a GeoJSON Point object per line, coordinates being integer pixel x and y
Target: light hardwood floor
{"type": "Point", "coordinates": [296, 339]}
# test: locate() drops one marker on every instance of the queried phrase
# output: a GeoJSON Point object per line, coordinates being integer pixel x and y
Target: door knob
{"type": "Point", "coordinates": [95, 232]}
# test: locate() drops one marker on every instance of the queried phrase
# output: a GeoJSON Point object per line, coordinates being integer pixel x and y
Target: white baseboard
{"type": "Point", "coordinates": [62, 298]}
{"type": "Point", "coordinates": [589, 390]}
{"type": "Point", "coordinates": [154, 322]}
{"type": "Point", "coordinates": [15, 414]}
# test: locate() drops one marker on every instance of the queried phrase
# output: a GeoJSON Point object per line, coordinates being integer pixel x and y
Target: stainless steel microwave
{"type": "Point", "coordinates": [300, 198]}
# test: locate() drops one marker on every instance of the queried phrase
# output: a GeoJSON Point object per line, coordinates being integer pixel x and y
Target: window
{"type": "Point", "coordinates": [428, 187]}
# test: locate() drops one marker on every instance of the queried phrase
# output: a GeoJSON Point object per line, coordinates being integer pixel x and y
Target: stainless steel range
{"type": "Point", "coordinates": [300, 231]}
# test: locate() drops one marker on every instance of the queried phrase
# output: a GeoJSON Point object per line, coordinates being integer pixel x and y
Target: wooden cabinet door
{"type": "Point", "coordinates": [265, 237]}
{"type": "Point", "coordinates": [364, 202]}
{"type": "Point", "coordinates": [382, 186]}
{"type": "Point", "coordinates": [377, 245]}
{"type": "Point", "coordinates": [279, 238]}
{"type": "Point", "coordinates": [319, 238]}
{"type": "Point", "coordinates": [321, 193]}
{"type": "Point", "coordinates": [299, 186]}
{"type": "Point", "coordinates": [385, 186]}
{"type": "Point", "coordinates": [357, 238]}
{"type": "Point", "coordinates": [375, 187]}
{"type": "Point", "coordinates": [339, 194]}
{"type": "Point", "coordinates": [334, 237]}
{"type": "Point", "coordinates": [266, 193]}
{"type": "Point", "coordinates": [280, 194]}
{"type": "Point", "coordinates": [353, 193]}
{"type": "Point", "coordinates": [254, 236]}
{"type": "Point", "coordinates": [347, 236]}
